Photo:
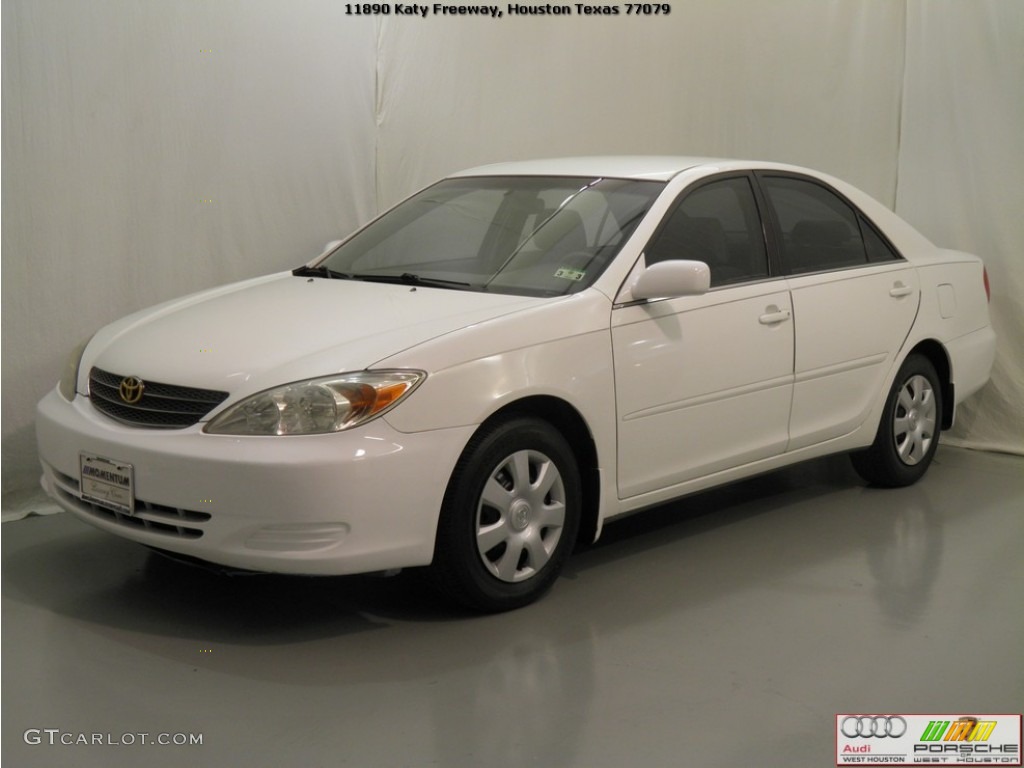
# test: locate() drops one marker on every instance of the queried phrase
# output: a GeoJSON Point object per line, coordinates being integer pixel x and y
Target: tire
{"type": "Point", "coordinates": [510, 516]}
{"type": "Point", "coordinates": [909, 431]}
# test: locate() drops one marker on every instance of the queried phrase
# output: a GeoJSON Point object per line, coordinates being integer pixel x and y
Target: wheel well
{"type": "Point", "coordinates": [568, 421]}
{"type": "Point", "coordinates": [937, 356]}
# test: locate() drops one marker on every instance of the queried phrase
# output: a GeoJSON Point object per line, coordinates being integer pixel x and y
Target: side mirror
{"type": "Point", "coordinates": [669, 279]}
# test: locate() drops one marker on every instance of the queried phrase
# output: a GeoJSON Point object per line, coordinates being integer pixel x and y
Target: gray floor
{"type": "Point", "coordinates": [725, 630]}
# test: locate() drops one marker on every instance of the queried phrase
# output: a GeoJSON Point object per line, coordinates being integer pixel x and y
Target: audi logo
{"type": "Point", "coordinates": [873, 726]}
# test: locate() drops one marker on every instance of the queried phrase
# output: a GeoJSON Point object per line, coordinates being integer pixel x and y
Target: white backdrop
{"type": "Point", "coordinates": [816, 82]}
{"type": "Point", "coordinates": [961, 177]}
{"type": "Point", "coordinates": [151, 149]}
{"type": "Point", "coordinates": [155, 148]}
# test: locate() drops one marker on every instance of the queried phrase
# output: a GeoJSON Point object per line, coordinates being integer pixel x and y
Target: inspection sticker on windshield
{"type": "Point", "coordinates": [570, 274]}
{"type": "Point", "coordinates": [107, 483]}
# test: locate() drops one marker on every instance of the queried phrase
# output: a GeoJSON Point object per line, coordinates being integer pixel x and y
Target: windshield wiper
{"type": "Point", "coordinates": [320, 271]}
{"type": "Point", "coordinates": [408, 278]}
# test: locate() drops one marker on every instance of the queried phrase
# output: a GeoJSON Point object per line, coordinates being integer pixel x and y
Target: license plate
{"type": "Point", "coordinates": [107, 483]}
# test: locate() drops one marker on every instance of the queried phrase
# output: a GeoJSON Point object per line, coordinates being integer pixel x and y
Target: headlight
{"type": "Point", "coordinates": [69, 378]}
{"type": "Point", "coordinates": [317, 406]}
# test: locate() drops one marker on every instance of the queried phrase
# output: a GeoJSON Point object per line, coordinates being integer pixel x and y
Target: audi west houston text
{"type": "Point", "coordinates": [484, 375]}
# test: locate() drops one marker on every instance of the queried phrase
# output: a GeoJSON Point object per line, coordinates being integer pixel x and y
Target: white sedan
{"type": "Point", "coordinates": [488, 372]}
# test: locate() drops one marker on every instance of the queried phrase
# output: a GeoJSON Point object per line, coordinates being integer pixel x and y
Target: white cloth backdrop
{"type": "Point", "coordinates": [151, 148]}
{"type": "Point", "coordinates": [961, 177]}
{"type": "Point", "coordinates": [816, 82]}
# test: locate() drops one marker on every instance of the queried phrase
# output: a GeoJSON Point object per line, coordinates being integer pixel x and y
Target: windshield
{"type": "Point", "coordinates": [528, 235]}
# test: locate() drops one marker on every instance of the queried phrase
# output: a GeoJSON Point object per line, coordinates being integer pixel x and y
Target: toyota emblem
{"type": "Point", "coordinates": [131, 389]}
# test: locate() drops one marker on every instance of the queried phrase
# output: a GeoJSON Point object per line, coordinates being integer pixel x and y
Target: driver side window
{"type": "Point", "coordinates": [717, 223]}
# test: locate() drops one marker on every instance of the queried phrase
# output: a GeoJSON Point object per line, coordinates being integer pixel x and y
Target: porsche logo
{"type": "Point", "coordinates": [131, 389]}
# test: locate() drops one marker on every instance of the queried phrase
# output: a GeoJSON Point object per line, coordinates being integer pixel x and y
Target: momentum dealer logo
{"type": "Point", "coordinates": [964, 729]}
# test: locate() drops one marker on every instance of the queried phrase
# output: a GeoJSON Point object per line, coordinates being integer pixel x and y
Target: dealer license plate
{"type": "Point", "coordinates": [107, 483]}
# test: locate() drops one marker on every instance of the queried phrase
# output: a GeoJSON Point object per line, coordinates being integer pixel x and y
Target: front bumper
{"type": "Point", "coordinates": [351, 502]}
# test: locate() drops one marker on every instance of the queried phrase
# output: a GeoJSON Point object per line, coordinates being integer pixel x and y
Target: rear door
{"type": "Point", "coordinates": [854, 301]}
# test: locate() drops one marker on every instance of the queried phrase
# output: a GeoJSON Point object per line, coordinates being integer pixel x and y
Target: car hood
{"type": "Point", "coordinates": [249, 336]}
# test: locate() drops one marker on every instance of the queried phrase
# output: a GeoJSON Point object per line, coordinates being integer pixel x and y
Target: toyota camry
{"type": "Point", "coordinates": [488, 372]}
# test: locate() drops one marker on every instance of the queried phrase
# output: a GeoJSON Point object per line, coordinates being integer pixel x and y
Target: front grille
{"type": "Point", "coordinates": [164, 406]}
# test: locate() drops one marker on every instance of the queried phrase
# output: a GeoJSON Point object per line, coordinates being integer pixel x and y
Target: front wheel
{"type": "Point", "coordinates": [510, 516]}
{"type": "Point", "coordinates": [909, 431]}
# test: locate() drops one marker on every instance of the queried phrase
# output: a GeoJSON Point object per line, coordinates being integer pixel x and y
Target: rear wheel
{"type": "Point", "coordinates": [909, 431]}
{"type": "Point", "coordinates": [510, 516]}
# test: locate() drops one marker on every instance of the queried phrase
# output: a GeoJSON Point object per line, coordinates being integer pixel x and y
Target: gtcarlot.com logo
{"type": "Point", "coordinates": [58, 737]}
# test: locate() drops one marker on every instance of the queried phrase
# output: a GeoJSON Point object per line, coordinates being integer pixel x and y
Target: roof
{"type": "Point", "coordinates": [656, 168]}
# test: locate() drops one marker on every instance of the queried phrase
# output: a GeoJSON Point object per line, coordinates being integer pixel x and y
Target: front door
{"type": "Point", "coordinates": [704, 383]}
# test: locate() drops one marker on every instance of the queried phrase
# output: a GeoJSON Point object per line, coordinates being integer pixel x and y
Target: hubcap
{"type": "Point", "coordinates": [520, 516]}
{"type": "Point", "coordinates": [913, 425]}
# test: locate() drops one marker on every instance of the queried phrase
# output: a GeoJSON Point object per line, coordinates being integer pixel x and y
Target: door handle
{"type": "Point", "coordinates": [773, 315]}
{"type": "Point", "coordinates": [899, 290]}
